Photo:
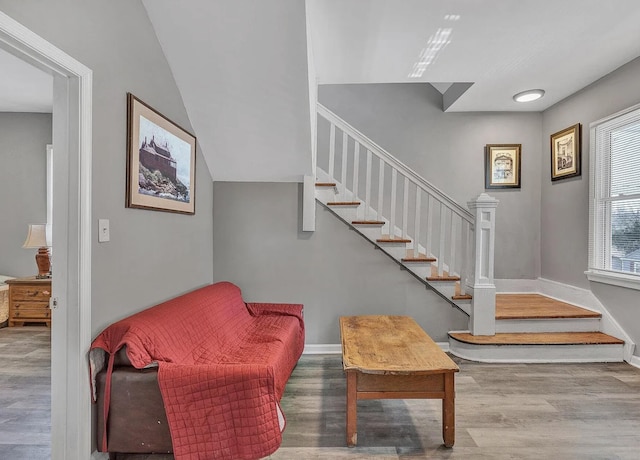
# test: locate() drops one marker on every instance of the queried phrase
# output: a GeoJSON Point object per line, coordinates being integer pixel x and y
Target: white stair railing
{"type": "Point", "coordinates": [438, 226]}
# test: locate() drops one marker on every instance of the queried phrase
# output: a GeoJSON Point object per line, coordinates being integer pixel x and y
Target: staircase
{"type": "Point", "coordinates": [435, 240]}
{"type": "Point", "coordinates": [401, 249]}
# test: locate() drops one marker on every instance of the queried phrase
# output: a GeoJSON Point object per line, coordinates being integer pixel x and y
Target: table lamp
{"type": "Point", "coordinates": [37, 238]}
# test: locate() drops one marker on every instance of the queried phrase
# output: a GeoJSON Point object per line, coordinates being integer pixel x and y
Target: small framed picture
{"type": "Point", "coordinates": [161, 161]}
{"type": "Point", "coordinates": [502, 166]}
{"type": "Point", "coordinates": [566, 155]}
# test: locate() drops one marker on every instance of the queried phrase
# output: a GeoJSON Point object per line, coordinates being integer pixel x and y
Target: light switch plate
{"type": "Point", "coordinates": [103, 231]}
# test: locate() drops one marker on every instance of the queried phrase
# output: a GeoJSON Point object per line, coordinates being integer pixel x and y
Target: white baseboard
{"type": "Point", "coordinates": [518, 286]}
{"type": "Point", "coordinates": [336, 348]}
{"type": "Point", "coordinates": [322, 349]}
{"type": "Point", "coordinates": [635, 361]}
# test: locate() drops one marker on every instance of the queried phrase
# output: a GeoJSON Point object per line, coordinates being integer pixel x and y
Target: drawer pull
{"type": "Point", "coordinates": [46, 292]}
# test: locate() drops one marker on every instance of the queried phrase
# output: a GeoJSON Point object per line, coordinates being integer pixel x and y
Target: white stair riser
{"type": "Point", "coordinates": [369, 231]}
{"type": "Point", "coordinates": [537, 353]}
{"type": "Point", "coordinates": [549, 325]}
{"type": "Point", "coordinates": [421, 270]}
{"type": "Point", "coordinates": [395, 250]}
{"type": "Point", "coordinates": [447, 288]}
{"type": "Point", "coordinates": [346, 213]}
{"type": "Point", "coordinates": [326, 194]}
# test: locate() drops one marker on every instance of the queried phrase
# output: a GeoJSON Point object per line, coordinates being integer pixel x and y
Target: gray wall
{"type": "Point", "coordinates": [333, 271]}
{"type": "Point", "coordinates": [23, 186]}
{"type": "Point", "coordinates": [152, 255]}
{"type": "Point", "coordinates": [447, 149]}
{"type": "Point", "coordinates": [565, 204]}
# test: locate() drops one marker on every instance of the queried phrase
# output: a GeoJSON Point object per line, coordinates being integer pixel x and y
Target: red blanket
{"type": "Point", "coordinates": [222, 368]}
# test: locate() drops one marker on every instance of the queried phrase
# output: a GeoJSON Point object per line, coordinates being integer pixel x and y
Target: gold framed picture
{"type": "Point", "coordinates": [566, 153]}
{"type": "Point", "coordinates": [502, 166]}
{"type": "Point", "coordinates": [161, 161]}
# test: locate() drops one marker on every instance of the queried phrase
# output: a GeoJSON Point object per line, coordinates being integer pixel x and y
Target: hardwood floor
{"type": "Point", "coordinates": [25, 393]}
{"type": "Point", "coordinates": [503, 411]}
{"type": "Point", "coordinates": [507, 411]}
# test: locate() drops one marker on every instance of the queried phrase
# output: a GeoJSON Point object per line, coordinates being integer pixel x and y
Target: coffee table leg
{"type": "Point", "coordinates": [352, 407]}
{"type": "Point", "coordinates": [448, 411]}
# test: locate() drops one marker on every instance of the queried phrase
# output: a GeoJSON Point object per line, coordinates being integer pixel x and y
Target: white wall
{"type": "Point", "coordinates": [23, 186]}
{"type": "Point", "coordinates": [333, 271]}
{"type": "Point", "coordinates": [152, 255]}
{"type": "Point", "coordinates": [447, 149]}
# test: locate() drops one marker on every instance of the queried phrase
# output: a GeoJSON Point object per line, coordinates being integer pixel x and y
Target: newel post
{"type": "Point", "coordinates": [483, 305]}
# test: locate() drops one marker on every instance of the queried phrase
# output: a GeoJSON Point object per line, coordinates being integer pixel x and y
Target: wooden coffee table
{"type": "Point", "coordinates": [391, 357]}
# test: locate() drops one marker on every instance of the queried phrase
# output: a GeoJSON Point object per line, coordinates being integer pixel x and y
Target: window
{"type": "Point", "coordinates": [614, 246]}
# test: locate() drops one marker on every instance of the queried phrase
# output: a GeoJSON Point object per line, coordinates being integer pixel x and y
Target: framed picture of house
{"type": "Point", "coordinates": [566, 155]}
{"type": "Point", "coordinates": [161, 161]}
{"type": "Point", "coordinates": [502, 165]}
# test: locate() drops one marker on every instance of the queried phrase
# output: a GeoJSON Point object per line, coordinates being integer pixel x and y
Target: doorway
{"type": "Point", "coordinates": [71, 283]}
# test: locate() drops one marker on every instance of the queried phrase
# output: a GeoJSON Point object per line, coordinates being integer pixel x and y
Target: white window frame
{"type": "Point", "coordinates": [600, 234]}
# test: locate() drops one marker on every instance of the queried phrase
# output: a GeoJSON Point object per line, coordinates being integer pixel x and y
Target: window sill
{"type": "Point", "coordinates": [615, 278]}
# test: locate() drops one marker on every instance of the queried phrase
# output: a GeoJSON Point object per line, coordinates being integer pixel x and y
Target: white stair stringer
{"type": "Point", "coordinates": [397, 251]}
{"type": "Point", "coordinates": [544, 353]}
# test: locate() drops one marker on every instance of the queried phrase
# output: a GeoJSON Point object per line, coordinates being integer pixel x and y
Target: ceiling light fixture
{"type": "Point", "coordinates": [529, 95]}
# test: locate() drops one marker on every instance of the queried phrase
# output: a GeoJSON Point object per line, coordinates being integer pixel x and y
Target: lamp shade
{"type": "Point", "coordinates": [37, 236]}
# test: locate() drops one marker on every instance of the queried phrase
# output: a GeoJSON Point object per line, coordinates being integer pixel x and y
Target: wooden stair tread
{"type": "Point", "coordinates": [443, 278]}
{"type": "Point", "coordinates": [393, 240]}
{"type": "Point", "coordinates": [368, 222]}
{"type": "Point", "coordinates": [462, 297]}
{"type": "Point", "coordinates": [538, 338]}
{"type": "Point", "coordinates": [343, 203]}
{"type": "Point", "coordinates": [420, 259]}
{"type": "Point", "coordinates": [536, 306]}
{"type": "Point", "coordinates": [325, 184]}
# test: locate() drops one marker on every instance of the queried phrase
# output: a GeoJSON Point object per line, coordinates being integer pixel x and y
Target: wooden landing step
{"type": "Point", "coordinates": [539, 338]}
{"type": "Point", "coordinates": [325, 184]}
{"type": "Point", "coordinates": [536, 306]}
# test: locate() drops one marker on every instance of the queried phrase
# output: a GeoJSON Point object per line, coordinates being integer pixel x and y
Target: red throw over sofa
{"type": "Point", "coordinates": [200, 375]}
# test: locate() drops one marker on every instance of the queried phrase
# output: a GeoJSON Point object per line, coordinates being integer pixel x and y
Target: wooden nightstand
{"type": "Point", "coordinates": [29, 301]}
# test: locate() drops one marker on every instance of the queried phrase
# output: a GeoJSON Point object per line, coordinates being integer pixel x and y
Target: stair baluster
{"type": "Point", "coordinates": [454, 226]}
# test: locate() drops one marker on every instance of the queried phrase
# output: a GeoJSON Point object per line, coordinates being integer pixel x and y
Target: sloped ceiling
{"type": "Point", "coordinates": [23, 88]}
{"type": "Point", "coordinates": [241, 67]}
{"type": "Point", "coordinates": [501, 46]}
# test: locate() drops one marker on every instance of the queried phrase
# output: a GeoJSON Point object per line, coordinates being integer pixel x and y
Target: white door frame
{"type": "Point", "coordinates": [71, 284]}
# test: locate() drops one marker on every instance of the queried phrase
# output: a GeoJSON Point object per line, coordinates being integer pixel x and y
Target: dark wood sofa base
{"type": "Point", "coordinates": [137, 419]}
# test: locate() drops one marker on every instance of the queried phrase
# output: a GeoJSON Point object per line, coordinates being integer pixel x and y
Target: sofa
{"type": "Point", "coordinates": [200, 375]}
